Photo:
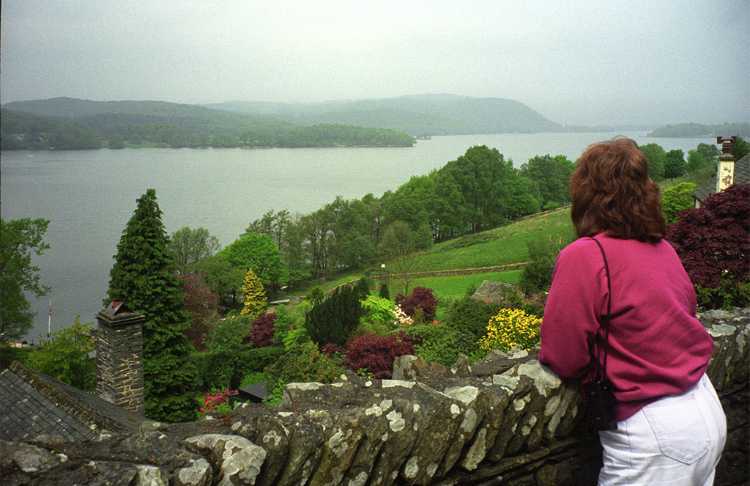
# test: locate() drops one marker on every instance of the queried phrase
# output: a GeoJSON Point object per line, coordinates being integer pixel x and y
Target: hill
{"type": "Point", "coordinates": [64, 123]}
{"type": "Point", "coordinates": [699, 130]}
{"type": "Point", "coordinates": [439, 114]}
{"type": "Point", "coordinates": [499, 246]}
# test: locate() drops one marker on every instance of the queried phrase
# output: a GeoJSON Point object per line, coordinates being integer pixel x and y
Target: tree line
{"type": "Point", "coordinates": [118, 130]}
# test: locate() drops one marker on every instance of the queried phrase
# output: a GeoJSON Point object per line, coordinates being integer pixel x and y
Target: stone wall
{"type": "Point", "coordinates": [505, 420]}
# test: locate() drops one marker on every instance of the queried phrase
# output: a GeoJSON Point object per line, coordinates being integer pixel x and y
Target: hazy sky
{"type": "Point", "coordinates": [580, 62]}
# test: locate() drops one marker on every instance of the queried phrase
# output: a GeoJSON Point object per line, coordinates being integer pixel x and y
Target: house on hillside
{"type": "Point", "coordinates": [728, 172]}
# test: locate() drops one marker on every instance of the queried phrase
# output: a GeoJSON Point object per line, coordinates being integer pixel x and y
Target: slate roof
{"type": "Point", "coordinates": [741, 176]}
{"type": "Point", "coordinates": [33, 404]}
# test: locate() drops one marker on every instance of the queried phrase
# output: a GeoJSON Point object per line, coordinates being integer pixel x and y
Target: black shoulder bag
{"type": "Point", "coordinates": [598, 394]}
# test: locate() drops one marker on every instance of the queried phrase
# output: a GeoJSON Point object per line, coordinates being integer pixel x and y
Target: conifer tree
{"type": "Point", "coordinates": [143, 277]}
{"type": "Point", "coordinates": [255, 295]}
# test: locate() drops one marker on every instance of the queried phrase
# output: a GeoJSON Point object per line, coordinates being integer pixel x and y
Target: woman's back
{"type": "Point", "coordinates": [657, 347]}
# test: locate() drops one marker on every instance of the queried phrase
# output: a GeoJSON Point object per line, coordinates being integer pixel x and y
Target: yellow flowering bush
{"type": "Point", "coordinates": [511, 328]}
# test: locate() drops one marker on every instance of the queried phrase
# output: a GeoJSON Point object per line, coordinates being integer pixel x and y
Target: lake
{"type": "Point", "coordinates": [88, 196]}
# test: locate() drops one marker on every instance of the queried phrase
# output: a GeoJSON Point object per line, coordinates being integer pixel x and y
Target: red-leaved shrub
{"type": "Point", "coordinates": [376, 353]}
{"type": "Point", "coordinates": [201, 303]}
{"type": "Point", "coordinates": [714, 245]}
{"type": "Point", "coordinates": [420, 298]}
{"type": "Point", "coordinates": [331, 348]}
{"type": "Point", "coordinates": [261, 331]}
{"type": "Point", "coordinates": [714, 240]}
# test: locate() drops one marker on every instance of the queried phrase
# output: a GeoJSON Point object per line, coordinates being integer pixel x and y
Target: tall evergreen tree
{"type": "Point", "coordinates": [143, 277]}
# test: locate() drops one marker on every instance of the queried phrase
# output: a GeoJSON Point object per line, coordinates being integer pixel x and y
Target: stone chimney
{"type": "Point", "coordinates": [725, 170]}
{"type": "Point", "coordinates": [119, 357]}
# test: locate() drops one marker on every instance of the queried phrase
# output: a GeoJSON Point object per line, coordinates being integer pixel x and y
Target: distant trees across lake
{"type": "Point", "coordinates": [199, 127]}
{"type": "Point", "coordinates": [699, 130]}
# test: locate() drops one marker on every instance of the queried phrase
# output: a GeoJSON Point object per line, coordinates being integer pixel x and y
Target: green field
{"type": "Point", "coordinates": [454, 287]}
{"type": "Point", "coordinates": [498, 246]}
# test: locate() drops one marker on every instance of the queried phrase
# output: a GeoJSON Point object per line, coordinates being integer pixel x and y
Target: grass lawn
{"type": "Point", "coordinates": [498, 246]}
{"type": "Point", "coordinates": [455, 286]}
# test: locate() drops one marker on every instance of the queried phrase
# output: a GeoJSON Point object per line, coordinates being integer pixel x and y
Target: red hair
{"type": "Point", "coordinates": [612, 193]}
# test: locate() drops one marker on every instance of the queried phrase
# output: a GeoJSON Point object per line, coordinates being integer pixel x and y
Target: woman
{"type": "Point", "coordinates": [671, 428]}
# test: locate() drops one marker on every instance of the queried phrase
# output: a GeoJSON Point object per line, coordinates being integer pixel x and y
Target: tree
{"type": "Point", "coordinates": [397, 245]}
{"type": "Point", "coordinates": [143, 277]}
{"type": "Point", "coordinates": [741, 148]}
{"type": "Point", "coordinates": [19, 239]}
{"type": "Point", "coordinates": [334, 319]}
{"type": "Point", "coordinates": [192, 245]}
{"type": "Point", "coordinates": [202, 305]}
{"type": "Point", "coordinates": [257, 252]}
{"type": "Point", "coordinates": [676, 198]}
{"type": "Point", "coordinates": [66, 356]}
{"type": "Point", "coordinates": [221, 277]}
{"type": "Point", "coordinates": [551, 176]}
{"type": "Point", "coordinates": [674, 164]}
{"type": "Point", "coordinates": [656, 157]}
{"type": "Point", "coordinates": [254, 295]}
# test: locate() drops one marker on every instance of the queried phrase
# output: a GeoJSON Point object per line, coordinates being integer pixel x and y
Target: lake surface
{"type": "Point", "coordinates": [88, 196]}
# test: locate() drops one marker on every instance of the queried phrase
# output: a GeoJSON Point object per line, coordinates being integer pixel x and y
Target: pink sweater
{"type": "Point", "coordinates": [657, 347]}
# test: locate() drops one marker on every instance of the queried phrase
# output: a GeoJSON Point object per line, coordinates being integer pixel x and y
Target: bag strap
{"type": "Point", "coordinates": [601, 372]}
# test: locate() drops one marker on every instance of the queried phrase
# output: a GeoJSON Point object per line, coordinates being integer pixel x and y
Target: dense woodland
{"type": "Point", "coordinates": [77, 124]}
{"type": "Point", "coordinates": [699, 130]}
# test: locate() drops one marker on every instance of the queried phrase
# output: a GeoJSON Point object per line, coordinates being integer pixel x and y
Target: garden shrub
{"type": "Point", "coordinates": [384, 292]}
{"type": "Point", "coordinates": [334, 319]}
{"type": "Point", "coordinates": [217, 402]}
{"type": "Point", "coordinates": [469, 316]}
{"type": "Point", "coordinates": [376, 353]}
{"type": "Point", "coordinates": [262, 330]}
{"type": "Point", "coordinates": [303, 363]}
{"type": "Point", "coordinates": [218, 369]}
{"type": "Point", "coordinates": [379, 316]}
{"type": "Point", "coordinates": [202, 305]}
{"type": "Point", "coordinates": [511, 328]}
{"type": "Point", "coordinates": [437, 344]}
{"type": "Point", "coordinates": [254, 295]}
{"type": "Point", "coordinates": [537, 274]}
{"type": "Point", "coordinates": [676, 198]}
{"type": "Point", "coordinates": [420, 298]}
{"type": "Point", "coordinates": [66, 356]}
{"type": "Point", "coordinates": [714, 244]}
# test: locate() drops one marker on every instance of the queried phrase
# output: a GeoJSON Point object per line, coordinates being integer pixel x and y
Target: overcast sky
{"type": "Point", "coordinates": [576, 62]}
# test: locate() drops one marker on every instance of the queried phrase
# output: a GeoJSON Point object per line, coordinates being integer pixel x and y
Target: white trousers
{"type": "Point", "coordinates": [674, 441]}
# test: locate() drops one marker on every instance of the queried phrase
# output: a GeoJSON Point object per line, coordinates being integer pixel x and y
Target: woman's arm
{"type": "Point", "coordinates": [574, 304]}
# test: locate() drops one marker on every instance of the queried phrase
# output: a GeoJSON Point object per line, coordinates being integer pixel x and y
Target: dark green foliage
{"type": "Point", "coordinates": [551, 177]}
{"type": "Point", "coordinates": [143, 277]}
{"type": "Point", "coordinates": [334, 319]}
{"type": "Point", "coordinates": [362, 288]}
{"type": "Point", "coordinates": [66, 356]}
{"type": "Point", "coordinates": [303, 363]}
{"type": "Point", "coordinates": [19, 239]}
{"type": "Point", "coordinates": [741, 148]}
{"type": "Point", "coordinates": [217, 369]}
{"type": "Point", "coordinates": [537, 275]}
{"type": "Point", "coordinates": [257, 252]}
{"type": "Point", "coordinates": [440, 344]}
{"type": "Point", "coordinates": [468, 316]}
{"type": "Point", "coordinates": [66, 123]}
{"type": "Point", "coordinates": [657, 158]}
{"type": "Point", "coordinates": [192, 245]}
{"type": "Point", "coordinates": [384, 292]}
{"type": "Point", "coordinates": [702, 158]}
{"type": "Point", "coordinates": [674, 164]}
{"type": "Point", "coordinates": [222, 278]}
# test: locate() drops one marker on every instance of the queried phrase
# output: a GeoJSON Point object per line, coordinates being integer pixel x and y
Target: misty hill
{"type": "Point", "coordinates": [439, 114]}
{"type": "Point", "coordinates": [69, 123]}
{"type": "Point", "coordinates": [699, 130]}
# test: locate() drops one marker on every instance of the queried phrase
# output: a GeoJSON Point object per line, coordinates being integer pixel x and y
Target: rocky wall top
{"type": "Point", "coordinates": [503, 417]}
